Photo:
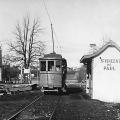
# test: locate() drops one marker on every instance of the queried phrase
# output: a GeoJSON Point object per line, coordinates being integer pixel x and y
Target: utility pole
{"type": "Point", "coordinates": [21, 74]}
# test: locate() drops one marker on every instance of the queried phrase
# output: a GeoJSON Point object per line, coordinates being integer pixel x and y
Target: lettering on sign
{"type": "Point", "coordinates": [110, 63]}
{"type": "Point", "coordinates": [109, 68]}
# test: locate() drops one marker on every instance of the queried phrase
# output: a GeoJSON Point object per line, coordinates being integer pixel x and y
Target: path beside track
{"type": "Point", "coordinates": [76, 107]}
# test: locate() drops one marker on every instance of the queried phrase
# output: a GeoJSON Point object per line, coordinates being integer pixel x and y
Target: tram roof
{"type": "Point", "coordinates": [88, 57]}
{"type": "Point", "coordinates": [52, 56]}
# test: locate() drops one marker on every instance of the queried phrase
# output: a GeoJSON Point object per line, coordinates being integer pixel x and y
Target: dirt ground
{"type": "Point", "coordinates": [73, 106]}
{"type": "Point", "coordinates": [77, 107]}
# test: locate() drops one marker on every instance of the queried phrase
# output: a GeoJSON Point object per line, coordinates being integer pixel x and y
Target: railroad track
{"type": "Point", "coordinates": [43, 107]}
{"type": "Point", "coordinates": [17, 113]}
{"type": "Point", "coordinates": [53, 112]}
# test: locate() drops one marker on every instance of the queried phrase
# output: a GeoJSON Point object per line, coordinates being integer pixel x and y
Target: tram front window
{"type": "Point", "coordinates": [43, 66]}
{"type": "Point", "coordinates": [50, 65]}
{"type": "Point", "coordinates": [58, 65]}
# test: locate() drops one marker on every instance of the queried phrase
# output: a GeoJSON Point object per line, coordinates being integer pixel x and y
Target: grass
{"type": "Point", "coordinates": [9, 104]}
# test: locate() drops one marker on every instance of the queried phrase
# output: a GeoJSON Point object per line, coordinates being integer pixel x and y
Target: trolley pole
{"type": "Point", "coordinates": [52, 37]}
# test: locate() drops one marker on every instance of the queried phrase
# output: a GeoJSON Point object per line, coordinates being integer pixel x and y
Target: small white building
{"type": "Point", "coordinates": [103, 73]}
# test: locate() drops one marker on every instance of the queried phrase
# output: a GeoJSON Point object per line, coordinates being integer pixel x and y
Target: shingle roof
{"type": "Point", "coordinates": [98, 52]}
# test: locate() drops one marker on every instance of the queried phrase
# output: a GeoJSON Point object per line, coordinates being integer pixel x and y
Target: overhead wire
{"type": "Point", "coordinates": [60, 47]}
{"type": "Point", "coordinates": [49, 17]}
{"type": "Point", "coordinates": [47, 11]}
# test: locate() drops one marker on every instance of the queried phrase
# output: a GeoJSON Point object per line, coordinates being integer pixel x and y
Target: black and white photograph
{"type": "Point", "coordinates": [59, 60]}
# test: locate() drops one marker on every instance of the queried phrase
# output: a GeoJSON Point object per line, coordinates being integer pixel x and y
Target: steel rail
{"type": "Point", "coordinates": [55, 108]}
{"type": "Point", "coordinates": [16, 114]}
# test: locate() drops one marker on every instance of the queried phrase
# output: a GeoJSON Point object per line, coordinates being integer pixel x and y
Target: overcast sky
{"type": "Point", "coordinates": [77, 23]}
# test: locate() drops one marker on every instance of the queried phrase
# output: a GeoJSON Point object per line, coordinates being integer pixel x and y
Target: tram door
{"type": "Point", "coordinates": [43, 75]}
{"type": "Point", "coordinates": [51, 74]}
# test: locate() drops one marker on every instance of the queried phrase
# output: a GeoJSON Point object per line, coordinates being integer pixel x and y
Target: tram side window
{"type": "Point", "coordinates": [58, 64]}
{"type": "Point", "coordinates": [43, 65]}
{"type": "Point", "coordinates": [50, 65]}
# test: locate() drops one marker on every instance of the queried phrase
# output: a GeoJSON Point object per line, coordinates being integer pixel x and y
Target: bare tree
{"type": "Point", "coordinates": [27, 46]}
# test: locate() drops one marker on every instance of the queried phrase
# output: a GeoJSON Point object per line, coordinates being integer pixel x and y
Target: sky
{"type": "Point", "coordinates": [77, 23]}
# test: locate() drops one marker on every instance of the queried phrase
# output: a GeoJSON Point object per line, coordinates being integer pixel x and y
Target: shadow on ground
{"type": "Point", "coordinates": [77, 93]}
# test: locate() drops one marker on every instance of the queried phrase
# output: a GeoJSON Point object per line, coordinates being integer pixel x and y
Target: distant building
{"type": "Point", "coordinates": [103, 72]}
{"type": "Point", "coordinates": [73, 77]}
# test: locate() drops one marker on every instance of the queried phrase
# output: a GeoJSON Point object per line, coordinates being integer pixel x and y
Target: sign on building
{"type": "Point", "coordinates": [103, 67]}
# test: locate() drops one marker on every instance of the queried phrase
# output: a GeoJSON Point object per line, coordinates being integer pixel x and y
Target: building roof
{"type": "Point", "coordinates": [98, 52]}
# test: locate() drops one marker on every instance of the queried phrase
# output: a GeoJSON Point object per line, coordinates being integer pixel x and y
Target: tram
{"type": "Point", "coordinates": [53, 70]}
